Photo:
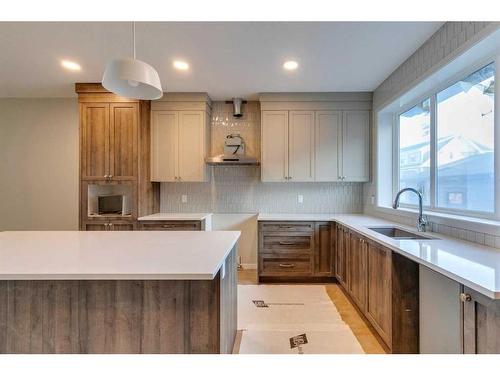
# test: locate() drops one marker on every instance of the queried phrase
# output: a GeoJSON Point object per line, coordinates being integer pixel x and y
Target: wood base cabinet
{"type": "Point", "coordinates": [481, 330]}
{"type": "Point", "coordinates": [299, 251]}
{"type": "Point", "coordinates": [384, 287]}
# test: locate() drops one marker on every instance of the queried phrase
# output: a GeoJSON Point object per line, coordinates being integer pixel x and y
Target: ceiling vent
{"type": "Point", "coordinates": [237, 106]}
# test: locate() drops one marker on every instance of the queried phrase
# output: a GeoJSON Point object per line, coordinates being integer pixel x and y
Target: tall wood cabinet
{"type": "Point", "coordinates": [114, 156]}
{"type": "Point", "coordinates": [180, 138]}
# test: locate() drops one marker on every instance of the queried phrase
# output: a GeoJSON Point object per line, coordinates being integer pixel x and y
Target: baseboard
{"type": "Point", "coordinates": [249, 266]}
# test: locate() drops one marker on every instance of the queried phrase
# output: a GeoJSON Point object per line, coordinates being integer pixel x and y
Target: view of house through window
{"type": "Point", "coordinates": [465, 143]}
{"type": "Point", "coordinates": [414, 152]}
{"type": "Point", "coordinates": [464, 146]}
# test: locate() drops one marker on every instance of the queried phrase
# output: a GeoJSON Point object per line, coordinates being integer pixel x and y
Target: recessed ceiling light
{"type": "Point", "coordinates": [181, 65]}
{"type": "Point", "coordinates": [290, 65]}
{"type": "Point", "coordinates": [71, 65]}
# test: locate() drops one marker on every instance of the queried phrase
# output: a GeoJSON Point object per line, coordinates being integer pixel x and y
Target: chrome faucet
{"type": "Point", "coordinates": [422, 221]}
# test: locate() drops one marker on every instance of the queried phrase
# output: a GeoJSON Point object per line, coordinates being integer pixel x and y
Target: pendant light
{"type": "Point", "coordinates": [132, 78]}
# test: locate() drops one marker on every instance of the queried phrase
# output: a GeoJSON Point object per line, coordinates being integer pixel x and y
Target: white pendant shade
{"type": "Point", "coordinates": [132, 79]}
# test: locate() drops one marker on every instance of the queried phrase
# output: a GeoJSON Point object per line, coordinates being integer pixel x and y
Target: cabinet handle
{"type": "Point", "coordinates": [106, 176]}
{"type": "Point", "coordinates": [465, 297]}
{"type": "Point", "coordinates": [287, 265]}
{"type": "Point", "coordinates": [110, 176]}
{"type": "Point", "coordinates": [286, 243]}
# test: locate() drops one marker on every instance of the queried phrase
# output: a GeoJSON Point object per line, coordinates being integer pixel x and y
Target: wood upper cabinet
{"type": "Point", "coordinates": [123, 140]}
{"type": "Point", "coordinates": [301, 146]}
{"type": "Point", "coordinates": [178, 146]}
{"type": "Point", "coordinates": [357, 267]}
{"type": "Point", "coordinates": [355, 146]}
{"type": "Point", "coordinates": [481, 331]}
{"type": "Point", "coordinates": [274, 146]}
{"type": "Point", "coordinates": [378, 307]}
{"type": "Point", "coordinates": [109, 141]}
{"type": "Point", "coordinates": [94, 128]}
{"type": "Point", "coordinates": [324, 253]}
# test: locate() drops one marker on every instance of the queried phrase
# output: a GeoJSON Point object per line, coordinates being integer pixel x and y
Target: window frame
{"type": "Point", "coordinates": [432, 96]}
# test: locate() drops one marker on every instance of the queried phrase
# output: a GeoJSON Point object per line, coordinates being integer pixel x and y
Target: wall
{"type": "Point", "coordinates": [451, 40]}
{"type": "Point", "coordinates": [38, 164]}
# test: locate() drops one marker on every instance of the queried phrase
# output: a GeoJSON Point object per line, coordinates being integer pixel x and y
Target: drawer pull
{"type": "Point", "coordinates": [287, 265]}
{"type": "Point", "coordinates": [168, 226]}
{"type": "Point", "coordinates": [286, 243]}
{"type": "Point", "coordinates": [285, 227]}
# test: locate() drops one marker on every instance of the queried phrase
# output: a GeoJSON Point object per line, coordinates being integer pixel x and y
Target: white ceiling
{"type": "Point", "coordinates": [227, 59]}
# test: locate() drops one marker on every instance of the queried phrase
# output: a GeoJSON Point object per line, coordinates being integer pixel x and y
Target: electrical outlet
{"type": "Point", "coordinates": [300, 199]}
{"type": "Point", "coordinates": [184, 198]}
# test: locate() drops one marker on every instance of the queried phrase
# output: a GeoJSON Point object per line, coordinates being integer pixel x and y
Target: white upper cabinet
{"type": "Point", "coordinates": [323, 145]}
{"type": "Point", "coordinates": [192, 146]}
{"type": "Point", "coordinates": [301, 146]}
{"type": "Point", "coordinates": [328, 131]}
{"type": "Point", "coordinates": [274, 146]}
{"type": "Point", "coordinates": [164, 136]}
{"type": "Point", "coordinates": [178, 146]}
{"type": "Point", "coordinates": [355, 146]}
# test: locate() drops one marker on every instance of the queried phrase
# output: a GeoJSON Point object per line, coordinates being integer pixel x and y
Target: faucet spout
{"type": "Point", "coordinates": [422, 222]}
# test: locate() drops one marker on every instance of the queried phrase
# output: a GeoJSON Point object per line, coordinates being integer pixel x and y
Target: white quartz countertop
{"type": "Point", "coordinates": [175, 216]}
{"type": "Point", "coordinates": [134, 255]}
{"type": "Point", "coordinates": [470, 264]}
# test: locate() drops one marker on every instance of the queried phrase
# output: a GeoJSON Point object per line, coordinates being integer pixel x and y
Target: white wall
{"type": "Point", "coordinates": [38, 164]}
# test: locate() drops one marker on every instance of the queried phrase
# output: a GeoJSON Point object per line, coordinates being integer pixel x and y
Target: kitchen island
{"type": "Point", "coordinates": [117, 292]}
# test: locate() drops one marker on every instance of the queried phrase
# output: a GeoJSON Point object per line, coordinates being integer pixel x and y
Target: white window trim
{"type": "Point", "coordinates": [432, 95]}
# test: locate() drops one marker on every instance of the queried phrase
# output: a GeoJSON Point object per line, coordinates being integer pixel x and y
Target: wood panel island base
{"type": "Point", "coordinates": [139, 315]}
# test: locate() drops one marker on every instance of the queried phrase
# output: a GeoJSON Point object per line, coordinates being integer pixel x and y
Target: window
{"type": "Point", "coordinates": [465, 143]}
{"type": "Point", "coordinates": [414, 146]}
{"type": "Point", "coordinates": [446, 146]}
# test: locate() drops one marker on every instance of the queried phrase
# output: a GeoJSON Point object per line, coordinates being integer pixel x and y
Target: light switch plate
{"type": "Point", "coordinates": [300, 199]}
{"type": "Point", "coordinates": [184, 198]}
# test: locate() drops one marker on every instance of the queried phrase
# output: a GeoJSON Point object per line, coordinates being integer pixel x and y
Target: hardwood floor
{"type": "Point", "coordinates": [347, 311]}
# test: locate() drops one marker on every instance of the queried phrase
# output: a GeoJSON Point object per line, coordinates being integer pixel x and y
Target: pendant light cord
{"type": "Point", "coordinates": [133, 36]}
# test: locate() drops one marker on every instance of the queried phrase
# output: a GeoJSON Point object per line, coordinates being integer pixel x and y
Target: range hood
{"type": "Point", "coordinates": [234, 153]}
{"type": "Point", "coordinates": [231, 160]}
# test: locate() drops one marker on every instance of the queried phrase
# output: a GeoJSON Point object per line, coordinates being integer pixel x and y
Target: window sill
{"type": "Point", "coordinates": [457, 221]}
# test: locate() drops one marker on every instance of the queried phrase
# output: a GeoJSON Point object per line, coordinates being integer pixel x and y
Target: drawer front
{"type": "Point", "coordinates": [284, 266]}
{"type": "Point", "coordinates": [274, 226]}
{"type": "Point", "coordinates": [283, 243]}
{"type": "Point", "coordinates": [171, 225]}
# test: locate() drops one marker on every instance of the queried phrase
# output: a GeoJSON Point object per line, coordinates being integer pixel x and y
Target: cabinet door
{"type": "Point", "coordinates": [356, 265]}
{"type": "Point", "coordinates": [378, 307]}
{"type": "Point", "coordinates": [340, 261]}
{"type": "Point", "coordinates": [94, 140]}
{"type": "Point", "coordinates": [355, 145]}
{"type": "Point", "coordinates": [323, 249]}
{"type": "Point", "coordinates": [274, 146]}
{"type": "Point", "coordinates": [164, 145]}
{"type": "Point", "coordinates": [123, 141]}
{"type": "Point", "coordinates": [95, 226]}
{"type": "Point", "coordinates": [121, 226]}
{"type": "Point", "coordinates": [191, 146]}
{"type": "Point", "coordinates": [328, 134]}
{"type": "Point", "coordinates": [301, 146]}
{"type": "Point", "coordinates": [481, 324]}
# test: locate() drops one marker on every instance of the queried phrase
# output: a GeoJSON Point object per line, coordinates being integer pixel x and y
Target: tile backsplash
{"type": "Point", "coordinates": [238, 189]}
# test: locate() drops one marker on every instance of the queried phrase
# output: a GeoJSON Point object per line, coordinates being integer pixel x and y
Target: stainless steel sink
{"type": "Point", "coordinates": [399, 234]}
